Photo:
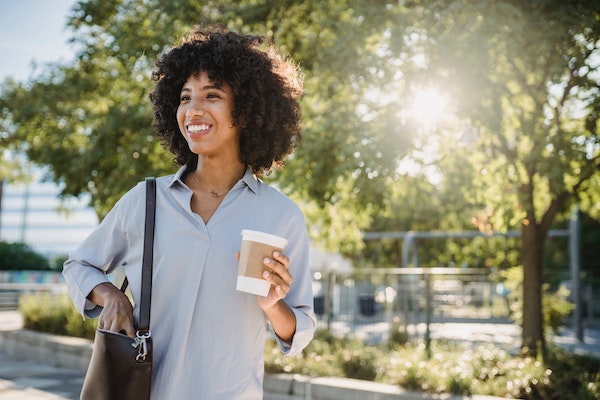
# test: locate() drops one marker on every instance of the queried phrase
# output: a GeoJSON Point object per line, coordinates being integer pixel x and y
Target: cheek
{"type": "Point", "coordinates": [180, 115]}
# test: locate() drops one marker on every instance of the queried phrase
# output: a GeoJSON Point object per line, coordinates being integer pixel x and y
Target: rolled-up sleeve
{"type": "Point", "coordinates": [98, 255]}
{"type": "Point", "coordinates": [300, 297]}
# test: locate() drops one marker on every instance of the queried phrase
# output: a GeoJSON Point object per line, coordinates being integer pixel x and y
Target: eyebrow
{"type": "Point", "coordinates": [208, 87]}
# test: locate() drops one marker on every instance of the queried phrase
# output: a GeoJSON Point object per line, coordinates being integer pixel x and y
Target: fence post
{"type": "Point", "coordinates": [428, 306]}
{"type": "Point", "coordinates": [328, 306]}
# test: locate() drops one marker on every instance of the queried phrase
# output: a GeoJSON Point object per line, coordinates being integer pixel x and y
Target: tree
{"type": "Point", "coordinates": [89, 121]}
{"type": "Point", "coordinates": [524, 78]}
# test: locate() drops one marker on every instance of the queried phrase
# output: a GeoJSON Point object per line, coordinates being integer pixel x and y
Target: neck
{"type": "Point", "coordinates": [217, 182]}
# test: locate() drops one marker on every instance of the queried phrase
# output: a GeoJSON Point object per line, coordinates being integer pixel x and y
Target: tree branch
{"type": "Point", "coordinates": [559, 202]}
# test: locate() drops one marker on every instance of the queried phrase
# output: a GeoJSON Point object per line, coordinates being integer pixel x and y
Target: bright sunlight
{"type": "Point", "coordinates": [428, 106]}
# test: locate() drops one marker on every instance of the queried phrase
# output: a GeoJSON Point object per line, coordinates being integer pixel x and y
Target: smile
{"type": "Point", "coordinates": [198, 128]}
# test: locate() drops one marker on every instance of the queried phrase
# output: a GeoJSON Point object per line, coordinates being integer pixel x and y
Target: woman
{"type": "Point", "coordinates": [229, 112]}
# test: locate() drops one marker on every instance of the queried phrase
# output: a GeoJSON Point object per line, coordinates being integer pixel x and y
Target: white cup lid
{"type": "Point", "coordinates": [262, 237]}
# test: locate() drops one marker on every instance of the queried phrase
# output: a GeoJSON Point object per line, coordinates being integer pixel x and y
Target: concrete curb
{"type": "Point", "coordinates": [74, 353]}
{"type": "Point", "coordinates": [53, 350]}
{"type": "Point", "coordinates": [299, 387]}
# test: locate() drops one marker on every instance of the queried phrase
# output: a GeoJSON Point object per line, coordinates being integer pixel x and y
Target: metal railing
{"type": "Point", "coordinates": [372, 304]}
{"type": "Point", "coordinates": [10, 293]}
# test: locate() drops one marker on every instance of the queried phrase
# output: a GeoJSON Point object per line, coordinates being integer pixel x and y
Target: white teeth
{"type": "Point", "coordinates": [198, 128]}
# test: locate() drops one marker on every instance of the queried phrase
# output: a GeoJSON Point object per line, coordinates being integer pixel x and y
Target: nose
{"type": "Point", "coordinates": [195, 112]}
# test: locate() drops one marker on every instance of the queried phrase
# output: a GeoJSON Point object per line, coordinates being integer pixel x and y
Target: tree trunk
{"type": "Point", "coordinates": [532, 253]}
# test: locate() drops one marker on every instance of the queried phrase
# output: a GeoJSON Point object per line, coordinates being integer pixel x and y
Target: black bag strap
{"type": "Point", "coordinates": [148, 258]}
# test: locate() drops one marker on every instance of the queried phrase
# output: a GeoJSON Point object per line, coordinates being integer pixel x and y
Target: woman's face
{"type": "Point", "coordinates": [204, 117]}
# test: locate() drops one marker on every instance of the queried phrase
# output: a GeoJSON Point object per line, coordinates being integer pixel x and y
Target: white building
{"type": "Point", "coordinates": [35, 215]}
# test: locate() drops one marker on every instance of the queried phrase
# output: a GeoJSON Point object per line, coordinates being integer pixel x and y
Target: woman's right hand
{"type": "Point", "coordinates": [117, 312]}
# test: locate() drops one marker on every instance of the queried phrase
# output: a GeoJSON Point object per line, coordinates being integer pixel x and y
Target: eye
{"type": "Point", "coordinates": [184, 97]}
{"type": "Point", "coordinates": [213, 95]}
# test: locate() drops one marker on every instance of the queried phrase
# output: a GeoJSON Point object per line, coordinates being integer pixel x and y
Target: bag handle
{"type": "Point", "coordinates": [147, 258]}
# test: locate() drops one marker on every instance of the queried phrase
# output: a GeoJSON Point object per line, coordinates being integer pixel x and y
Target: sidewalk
{"type": "Point", "coordinates": [25, 379]}
{"type": "Point", "coordinates": [21, 378]}
{"type": "Point", "coordinates": [29, 380]}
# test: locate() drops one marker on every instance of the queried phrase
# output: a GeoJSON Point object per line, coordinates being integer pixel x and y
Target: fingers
{"type": "Point", "coordinates": [117, 315]}
{"type": "Point", "coordinates": [278, 273]}
{"type": "Point", "coordinates": [279, 266]}
{"type": "Point", "coordinates": [117, 324]}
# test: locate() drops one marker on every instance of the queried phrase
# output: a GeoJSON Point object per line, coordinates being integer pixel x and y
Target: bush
{"type": "Point", "coordinates": [459, 369]}
{"type": "Point", "coordinates": [360, 362]}
{"type": "Point", "coordinates": [58, 261]}
{"type": "Point", "coordinates": [399, 334]}
{"type": "Point", "coordinates": [318, 359]}
{"type": "Point", "coordinates": [19, 256]}
{"type": "Point", "coordinates": [54, 313]}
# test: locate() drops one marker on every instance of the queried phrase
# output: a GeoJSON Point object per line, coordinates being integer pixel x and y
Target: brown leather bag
{"type": "Point", "coordinates": [121, 367]}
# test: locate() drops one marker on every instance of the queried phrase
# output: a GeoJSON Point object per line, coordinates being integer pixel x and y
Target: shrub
{"type": "Point", "coordinates": [573, 376]}
{"type": "Point", "coordinates": [399, 333]}
{"type": "Point", "coordinates": [360, 362]}
{"type": "Point", "coordinates": [318, 359]}
{"type": "Point", "coordinates": [58, 261]}
{"type": "Point", "coordinates": [54, 313]}
{"type": "Point", "coordinates": [19, 256]}
{"type": "Point", "coordinates": [557, 307]}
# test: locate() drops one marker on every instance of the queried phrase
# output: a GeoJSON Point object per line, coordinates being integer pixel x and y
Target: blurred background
{"type": "Point", "coordinates": [449, 169]}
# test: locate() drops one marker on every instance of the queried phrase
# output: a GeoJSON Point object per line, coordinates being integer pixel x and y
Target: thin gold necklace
{"type": "Point", "coordinates": [213, 193]}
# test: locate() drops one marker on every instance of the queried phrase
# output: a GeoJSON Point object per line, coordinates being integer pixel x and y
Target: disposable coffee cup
{"type": "Point", "coordinates": [255, 247]}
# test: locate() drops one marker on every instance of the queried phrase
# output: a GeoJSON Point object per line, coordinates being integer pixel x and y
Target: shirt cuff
{"type": "Point", "coordinates": [305, 329]}
{"type": "Point", "coordinates": [88, 308]}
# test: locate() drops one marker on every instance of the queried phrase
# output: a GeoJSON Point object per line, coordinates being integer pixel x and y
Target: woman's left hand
{"type": "Point", "coordinates": [277, 273]}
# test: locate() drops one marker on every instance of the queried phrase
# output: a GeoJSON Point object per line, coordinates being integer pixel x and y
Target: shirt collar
{"type": "Point", "coordinates": [249, 178]}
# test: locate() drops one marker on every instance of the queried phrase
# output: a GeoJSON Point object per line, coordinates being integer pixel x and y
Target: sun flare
{"type": "Point", "coordinates": [428, 106]}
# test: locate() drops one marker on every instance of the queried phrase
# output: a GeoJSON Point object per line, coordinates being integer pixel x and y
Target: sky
{"type": "Point", "coordinates": [32, 31]}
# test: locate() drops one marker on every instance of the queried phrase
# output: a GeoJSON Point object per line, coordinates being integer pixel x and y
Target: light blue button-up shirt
{"type": "Point", "coordinates": [208, 338]}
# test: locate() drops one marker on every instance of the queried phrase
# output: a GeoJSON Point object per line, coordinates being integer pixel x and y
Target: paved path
{"type": "Point", "coordinates": [28, 380]}
{"type": "Point", "coordinates": [22, 379]}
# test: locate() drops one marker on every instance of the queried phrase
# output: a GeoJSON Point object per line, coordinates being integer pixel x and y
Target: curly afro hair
{"type": "Point", "coordinates": [266, 89]}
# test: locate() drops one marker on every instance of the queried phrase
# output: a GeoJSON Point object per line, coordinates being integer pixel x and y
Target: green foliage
{"type": "Point", "coordinates": [571, 376]}
{"type": "Point", "coordinates": [58, 261]}
{"type": "Point", "coordinates": [460, 369]}
{"type": "Point", "coordinates": [399, 334]}
{"type": "Point", "coordinates": [318, 359]}
{"type": "Point", "coordinates": [556, 306]}
{"type": "Point", "coordinates": [54, 313]}
{"type": "Point", "coordinates": [19, 256]}
{"type": "Point", "coordinates": [360, 362]}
